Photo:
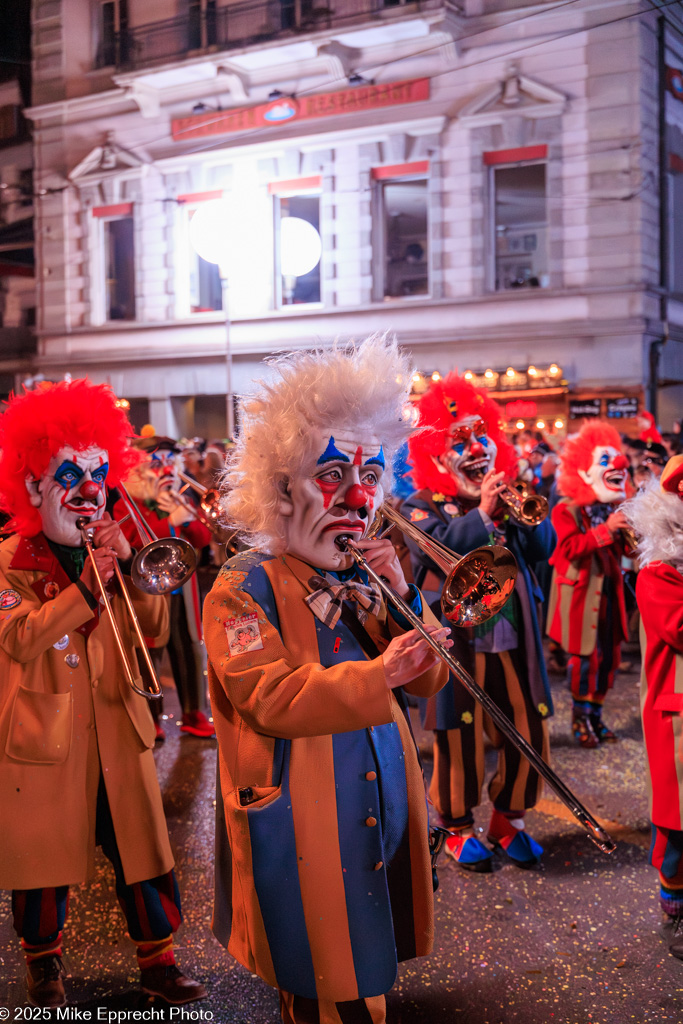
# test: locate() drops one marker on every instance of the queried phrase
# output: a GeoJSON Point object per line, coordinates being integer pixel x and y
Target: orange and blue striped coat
{"type": "Point", "coordinates": [323, 879]}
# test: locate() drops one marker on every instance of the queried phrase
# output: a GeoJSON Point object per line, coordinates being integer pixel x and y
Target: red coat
{"type": "Point", "coordinates": [578, 580]}
{"type": "Point", "coordinates": [660, 599]}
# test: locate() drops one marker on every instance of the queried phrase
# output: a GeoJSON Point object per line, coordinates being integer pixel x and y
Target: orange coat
{"type": "Point", "coordinates": [312, 746]}
{"type": "Point", "coordinates": [67, 714]}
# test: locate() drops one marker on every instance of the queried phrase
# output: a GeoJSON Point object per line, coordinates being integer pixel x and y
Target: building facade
{"type": "Point", "coordinates": [496, 182]}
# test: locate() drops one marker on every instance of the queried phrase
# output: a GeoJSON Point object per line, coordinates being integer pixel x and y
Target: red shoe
{"type": "Point", "coordinates": [160, 735]}
{"type": "Point", "coordinates": [195, 723]}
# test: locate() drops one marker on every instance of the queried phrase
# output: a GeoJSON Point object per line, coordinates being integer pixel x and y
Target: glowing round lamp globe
{"type": "Point", "coordinates": [300, 247]}
{"type": "Point", "coordinates": [210, 232]}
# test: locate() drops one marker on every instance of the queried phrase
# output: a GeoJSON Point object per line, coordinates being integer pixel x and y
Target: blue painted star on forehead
{"type": "Point", "coordinates": [332, 454]}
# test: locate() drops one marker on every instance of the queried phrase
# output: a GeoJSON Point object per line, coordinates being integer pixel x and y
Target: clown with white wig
{"type": "Point", "coordinates": [656, 515]}
{"type": "Point", "coordinates": [323, 879]}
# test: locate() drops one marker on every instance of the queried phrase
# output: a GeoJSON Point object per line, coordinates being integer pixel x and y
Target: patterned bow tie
{"type": "Point", "coordinates": [326, 601]}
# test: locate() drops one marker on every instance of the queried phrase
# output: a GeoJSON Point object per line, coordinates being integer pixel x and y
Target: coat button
{"type": "Point", "coordinates": [371, 776]}
{"type": "Point", "coordinates": [370, 822]}
{"type": "Point", "coordinates": [379, 865]}
{"type": "Point", "coordinates": [95, 683]}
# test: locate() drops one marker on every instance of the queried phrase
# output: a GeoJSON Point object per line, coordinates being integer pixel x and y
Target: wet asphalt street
{"type": "Point", "coordinates": [575, 941]}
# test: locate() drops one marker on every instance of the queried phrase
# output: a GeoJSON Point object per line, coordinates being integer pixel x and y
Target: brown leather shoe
{"type": "Point", "coordinates": [169, 983]}
{"type": "Point", "coordinates": [45, 982]}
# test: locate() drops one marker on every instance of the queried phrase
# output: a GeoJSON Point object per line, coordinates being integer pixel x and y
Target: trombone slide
{"type": "Point", "coordinates": [596, 833]}
{"type": "Point", "coordinates": [155, 692]}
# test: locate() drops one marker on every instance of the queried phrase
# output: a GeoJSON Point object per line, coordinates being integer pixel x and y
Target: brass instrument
{"type": "Point", "coordinates": [87, 530]}
{"type": "Point", "coordinates": [164, 563]}
{"type": "Point", "coordinates": [527, 508]}
{"type": "Point", "coordinates": [477, 585]}
{"type": "Point", "coordinates": [209, 510]}
{"type": "Point", "coordinates": [596, 833]}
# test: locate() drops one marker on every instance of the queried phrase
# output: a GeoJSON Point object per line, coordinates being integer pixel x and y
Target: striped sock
{"type": "Point", "coordinates": [158, 953]}
{"type": "Point", "coordinates": [36, 952]}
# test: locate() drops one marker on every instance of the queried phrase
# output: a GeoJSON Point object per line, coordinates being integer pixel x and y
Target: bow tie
{"type": "Point", "coordinates": [326, 601]}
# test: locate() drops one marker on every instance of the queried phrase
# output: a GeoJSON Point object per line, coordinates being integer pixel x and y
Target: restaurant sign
{"type": "Point", "coordinates": [587, 407]}
{"type": "Point", "coordinates": [302, 108]}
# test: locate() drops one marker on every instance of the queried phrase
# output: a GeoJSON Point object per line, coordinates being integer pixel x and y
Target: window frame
{"type": "Point", "coordinates": [380, 177]}
{"type": "Point", "coordinates": [492, 167]}
{"type": "Point", "coordinates": [187, 204]}
{"type": "Point", "coordinates": [279, 190]}
{"type": "Point", "coordinates": [100, 216]}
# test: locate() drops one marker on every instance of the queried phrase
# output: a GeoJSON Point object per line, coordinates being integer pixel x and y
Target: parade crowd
{"type": "Point", "coordinates": [362, 529]}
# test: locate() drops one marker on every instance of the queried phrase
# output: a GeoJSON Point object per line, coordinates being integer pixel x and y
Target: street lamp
{"type": "Point", "coordinates": [210, 237]}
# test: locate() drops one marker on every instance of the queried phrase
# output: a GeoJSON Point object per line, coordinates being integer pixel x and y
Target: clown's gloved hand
{"type": "Point", "coordinates": [177, 513]}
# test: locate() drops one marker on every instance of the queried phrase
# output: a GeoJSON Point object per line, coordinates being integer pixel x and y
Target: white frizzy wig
{"type": "Point", "coordinates": [657, 518]}
{"type": "Point", "coordinates": [361, 386]}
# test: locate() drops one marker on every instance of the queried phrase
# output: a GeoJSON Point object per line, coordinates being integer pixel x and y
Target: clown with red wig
{"type": "Point", "coordinates": [460, 462]}
{"type": "Point", "coordinates": [586, 613]}
{"type": "Point", "coordinates": [76, 762]}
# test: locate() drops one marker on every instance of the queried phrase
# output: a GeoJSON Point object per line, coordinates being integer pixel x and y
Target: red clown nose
{"type": "Point", "coordinates": [89, 490]}
{"type": "Point", "coordinates": [477, 448]}
{"type": "Point", "coordinates": [621, 462]}
{"type": "Point", "coordinates": [355, 497]}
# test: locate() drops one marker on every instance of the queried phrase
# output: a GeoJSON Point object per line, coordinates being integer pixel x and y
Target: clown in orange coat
{"type": "Point", "coordinates": [586, 613]}
{"type": "Point", "coordinates": [76, 764]}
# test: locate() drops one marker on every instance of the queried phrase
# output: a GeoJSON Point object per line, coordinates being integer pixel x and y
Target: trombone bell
{"type": "Point", "coordinates": [163, 565]}
{"type": "Point", "coordinates": [477, 585]}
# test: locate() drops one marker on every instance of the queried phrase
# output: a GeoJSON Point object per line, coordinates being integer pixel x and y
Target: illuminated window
{"type": "Point", "coordinates": [403, 238]}
{"type": "Point", "coordinates": [119, 266]}
{"type": "Point", "coordinates": [297, 249]}
{"type": "Point", "coordinates": [204, 279]}
{"type": "Point", "coordinates": [520, 227]}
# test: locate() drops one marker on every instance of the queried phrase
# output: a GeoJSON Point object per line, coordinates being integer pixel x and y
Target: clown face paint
{"type": "Point", "coordinates": [607, 475]}
{"type": "Point", "coordinates": [73, 486]}
{"type": "Point", "coordinates": [344, 480]}
{"type": "Point", "coordinates": [469, 456]}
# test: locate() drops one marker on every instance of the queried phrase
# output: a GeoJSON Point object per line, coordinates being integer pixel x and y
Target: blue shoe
{"type": "Point", "coordinates": [515, 843]}
{"type": "Point", "coordinates": [468, 853]}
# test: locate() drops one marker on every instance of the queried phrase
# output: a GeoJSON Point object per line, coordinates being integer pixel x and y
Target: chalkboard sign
{"type": "Point", "coordinates": [581, 409]}
{"type": "Point", "coordinates": [620, 408]}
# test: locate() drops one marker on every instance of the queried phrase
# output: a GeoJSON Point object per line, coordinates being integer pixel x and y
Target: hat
{"type": "Point", "coordinates": [654, 452]}
{"type": "Point", "coordinates": [156, 443]}
{"type": "Point", "coordinates": [672, 477]}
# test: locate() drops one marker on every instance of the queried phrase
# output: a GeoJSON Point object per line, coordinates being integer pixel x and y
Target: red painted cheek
{"type": "Point", "coordinates": [329, 489]}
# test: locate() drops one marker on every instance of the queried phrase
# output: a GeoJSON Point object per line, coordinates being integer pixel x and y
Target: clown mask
{"type": "Point", "coordinates": [72, 487]}
{"type": "Point", "coordinates": [338, 495]}
{"type": "Point", "coordinates": [151, 478]}
{"type": "Point", "coordinates": [607, 475]}
{"type": "Point", "coordinates": [470, 454]}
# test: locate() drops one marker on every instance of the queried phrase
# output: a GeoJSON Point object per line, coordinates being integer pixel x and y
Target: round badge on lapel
{"type": "Point", "coordinates": [72, 660]}
{"type": "Point", "coordinates": [9, 599]}
{"type": "Point", "coordinates": [51, 589]}
{"type": "Point", "coordinates": [451, 509]}
{"type": "Point", "coordinates": [61, 644]}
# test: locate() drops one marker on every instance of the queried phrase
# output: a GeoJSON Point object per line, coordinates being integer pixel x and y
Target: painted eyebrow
{"type": "Point", "coordinates": [332, 454]}
{"type": "Point", "coordinates": [68, 464]}
{"type": "Point", "coordinates": [377, 460]}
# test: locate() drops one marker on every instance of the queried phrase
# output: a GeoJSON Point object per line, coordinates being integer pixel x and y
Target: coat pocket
{"type": "Point", "coordinates": [672, 702]}
{"type": "Point", "coordinates": [40, 727]}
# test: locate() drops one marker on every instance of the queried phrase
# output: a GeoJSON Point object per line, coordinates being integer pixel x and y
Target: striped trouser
{"type": "Point", "coordinates": [591, 676]}
{"type": "Point", "coordinates": [666, 854]}
{"type": "Point", "coordinates": [299, 1010]}
{"type": "Point", "coordinates": [458, 777]}
{"type": "Point", "coordinates": [151, 908]}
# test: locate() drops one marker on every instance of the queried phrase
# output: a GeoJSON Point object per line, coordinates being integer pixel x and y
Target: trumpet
{"type": "Point", "coordinates": [528, 509]}
{"type": "Point", "coordinates": [87, 531]}
{"type": "Point", "coordinates": [477, 585]}
{"type": "Point", "coordinates": [596, 833]}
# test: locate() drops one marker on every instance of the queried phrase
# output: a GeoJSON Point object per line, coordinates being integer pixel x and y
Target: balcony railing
{"type": "Point", "coordinates": [241, 24]}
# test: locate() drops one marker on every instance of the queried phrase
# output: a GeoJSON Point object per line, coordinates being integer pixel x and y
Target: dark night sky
{"type": "Point", "coordinates": [15, 41]}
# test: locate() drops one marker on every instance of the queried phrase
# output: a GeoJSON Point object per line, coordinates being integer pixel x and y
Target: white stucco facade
{"type": "Point", "coordinates": [577, 84]}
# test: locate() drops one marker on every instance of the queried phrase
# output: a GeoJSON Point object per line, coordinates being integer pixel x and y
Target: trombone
{"type": "Point", "coordinates": [477, 585]}
{"type": "Point", "coordinates": [527, 509]}
{"type": "Point", "coordinates": [209, 509]}
{"type": "Point", "coordinates": [88, 531]}
{"type": "Point", "coordinates": [476, 593]}
{"type": "Point", "coordinates": [163, 564]}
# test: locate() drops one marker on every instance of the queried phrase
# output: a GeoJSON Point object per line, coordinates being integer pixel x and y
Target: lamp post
{"type": "Point", "coordinates": [210, 237]}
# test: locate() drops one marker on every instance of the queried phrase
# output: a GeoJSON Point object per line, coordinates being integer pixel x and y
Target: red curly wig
{"type": "Point", "coordinates": [448, 400]}
{"type": "Point", "coordinates": [578, 454]}
{"type": "Point", "coordinates": [37, 424]}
